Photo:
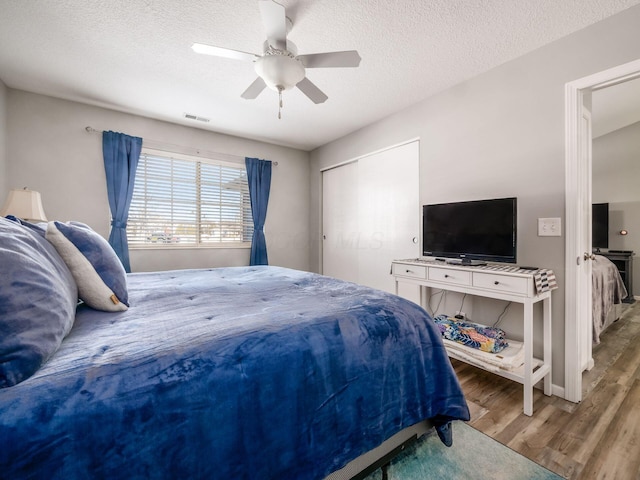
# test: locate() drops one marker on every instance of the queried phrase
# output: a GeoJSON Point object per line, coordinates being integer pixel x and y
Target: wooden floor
{"type": "Point", "coordinates": [596, 439]}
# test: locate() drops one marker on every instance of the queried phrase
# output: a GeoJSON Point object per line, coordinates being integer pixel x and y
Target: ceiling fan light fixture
{"type": "Point", "coordinates": [279, 69]}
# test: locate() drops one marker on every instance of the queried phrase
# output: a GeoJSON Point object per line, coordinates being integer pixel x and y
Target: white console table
{"type": "Point", "coordinates": [504, 283]}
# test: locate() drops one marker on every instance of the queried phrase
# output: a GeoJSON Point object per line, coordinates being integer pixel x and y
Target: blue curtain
{"type": "Point", "coordinates": [259, 176]}
{"type": "Point", "coordinates": [121, 154]}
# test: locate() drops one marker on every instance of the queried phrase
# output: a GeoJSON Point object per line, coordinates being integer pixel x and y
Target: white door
{"type": "Point", "coordinates": [389, 213]}
{"type": "Point", "coordinates": [585, 285]}
{"type": "Point", "coordinates": [340, 222]}
{"type": "Point", "coordinates": [371, 216]}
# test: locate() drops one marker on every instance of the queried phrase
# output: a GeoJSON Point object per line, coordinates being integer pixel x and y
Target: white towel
{"type": "Point", "coordinates": [510, 358]}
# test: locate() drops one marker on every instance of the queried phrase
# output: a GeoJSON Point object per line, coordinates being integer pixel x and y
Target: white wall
{"type": "Point", "coordinates": [500, 134]}
{"type": "Point", "coordinates": [4, 186]}
{"type": "Point", "coordinates": [50, 151]}
{"type": "Point", "coordinates": [616, 180]}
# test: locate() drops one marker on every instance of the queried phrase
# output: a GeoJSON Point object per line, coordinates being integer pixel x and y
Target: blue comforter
{"type": "Point", "coordinates": [232, 373]}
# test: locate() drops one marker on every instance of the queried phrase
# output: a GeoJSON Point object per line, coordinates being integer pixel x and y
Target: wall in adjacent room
{"type": "Point", "coordinates": [616, 180]}
{"type": "Point", "coordinates": [50, 151]}
{"type": "Point", "coordinates": [500, 134]}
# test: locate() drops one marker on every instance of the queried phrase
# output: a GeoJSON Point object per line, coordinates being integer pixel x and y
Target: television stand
{"type": "Point", "coordinates": [507, 282]}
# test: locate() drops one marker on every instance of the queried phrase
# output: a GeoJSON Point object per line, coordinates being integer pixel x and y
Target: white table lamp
{"type": "Point", "coordinates": [25, 204]}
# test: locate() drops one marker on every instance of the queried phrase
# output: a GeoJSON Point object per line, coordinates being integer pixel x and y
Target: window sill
{"type": "Point", "coordinates": [190, 247]}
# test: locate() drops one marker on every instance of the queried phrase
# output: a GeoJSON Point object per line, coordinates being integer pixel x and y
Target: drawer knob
{"type": "Point", "coordinates": [446, 275]}
{"type": "Point", "coordinates": [409, 271]}
{"type": "Point", "coordinates": [496, 282]}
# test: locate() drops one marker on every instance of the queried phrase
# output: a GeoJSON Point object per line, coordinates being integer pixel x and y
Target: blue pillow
{"type": "Point", "coordinates": [99, 274]}
{"type": "Point", "coordinates": [38, 298]}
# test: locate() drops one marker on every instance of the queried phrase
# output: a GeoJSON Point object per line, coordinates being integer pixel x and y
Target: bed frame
{"type": "Point", "coordinates": [380, 456]}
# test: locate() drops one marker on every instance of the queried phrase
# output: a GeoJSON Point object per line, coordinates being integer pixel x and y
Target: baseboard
{"type": "Point", "coordinates": [557, 390]}
{"type": "Point", "coordinates": [590, 364]}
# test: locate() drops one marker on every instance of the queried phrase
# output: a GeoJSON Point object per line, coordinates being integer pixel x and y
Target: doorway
{"type": "Point", "coordinates": [577, 210]}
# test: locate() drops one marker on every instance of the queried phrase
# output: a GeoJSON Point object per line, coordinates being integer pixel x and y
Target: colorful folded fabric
{"type": "Point", "coordinates": [474, 335]}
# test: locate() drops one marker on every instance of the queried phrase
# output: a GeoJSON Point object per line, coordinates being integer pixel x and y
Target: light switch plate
{"type": "Point", "coordinates": [549, 227]}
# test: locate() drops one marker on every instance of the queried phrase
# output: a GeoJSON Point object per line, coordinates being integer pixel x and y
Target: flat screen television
{"type": "Point", "coordinates": [599, 226]}
{"type": "Point", "coordinates": [472, 232]}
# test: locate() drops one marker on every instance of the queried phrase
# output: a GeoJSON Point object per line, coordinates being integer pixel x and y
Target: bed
{"type": "Point", "coordinates": [607, 294]}
{"type": "Point", "coordinates": [245, 372]}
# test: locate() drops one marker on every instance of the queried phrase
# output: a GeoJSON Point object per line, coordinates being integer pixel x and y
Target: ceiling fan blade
{"type": "Point", "coordinates": [254, 89]}
{"type": "Point", "coordinates": [274, 20]}
{"type": "Point", "coordinates": [349, 58]}
{"type": "Point", "coordinates": [310, 90]}
{"type": "Point", "coordinates": [223, 52]}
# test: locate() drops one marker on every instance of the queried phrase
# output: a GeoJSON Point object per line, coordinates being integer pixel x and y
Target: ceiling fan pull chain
{"type": "Point", "coordinates": [279, 103]}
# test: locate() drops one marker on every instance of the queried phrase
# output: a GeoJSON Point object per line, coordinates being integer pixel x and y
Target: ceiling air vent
{"type": "Point", "coordinates": [191, 116]}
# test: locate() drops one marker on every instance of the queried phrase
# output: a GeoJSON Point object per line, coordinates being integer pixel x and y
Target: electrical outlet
{"type": "Point", "coordinates": [461, 315]}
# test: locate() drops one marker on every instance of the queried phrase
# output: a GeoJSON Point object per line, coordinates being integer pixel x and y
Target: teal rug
{"type": "Point", "coordinates": [473, 456]}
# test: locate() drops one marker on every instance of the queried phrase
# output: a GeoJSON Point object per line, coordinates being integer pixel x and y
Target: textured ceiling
{"type": "Point", "coordinates": [135, 55]}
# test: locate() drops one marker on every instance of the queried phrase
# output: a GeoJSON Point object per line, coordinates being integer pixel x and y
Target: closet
{"type": "Point", "coordinates": [371, 216]}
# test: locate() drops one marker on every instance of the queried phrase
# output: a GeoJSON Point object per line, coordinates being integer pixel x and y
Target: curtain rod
{"type": "Point", "coordinates": [159, 145]}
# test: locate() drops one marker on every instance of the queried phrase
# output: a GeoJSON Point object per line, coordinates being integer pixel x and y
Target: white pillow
{"type": "Point", "coordinates": [95, 267]}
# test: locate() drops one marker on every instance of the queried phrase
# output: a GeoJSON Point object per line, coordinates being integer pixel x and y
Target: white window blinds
{"type": "Point", "coordinates": [188, 201]}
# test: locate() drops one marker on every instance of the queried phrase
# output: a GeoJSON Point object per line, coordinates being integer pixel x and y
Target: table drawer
{"type": "Point", "coordinates": [501, 283]}
{"type": "Point", "coordinates": [407, 270]}
{"type": "Point", "coordinates": [456, 277]}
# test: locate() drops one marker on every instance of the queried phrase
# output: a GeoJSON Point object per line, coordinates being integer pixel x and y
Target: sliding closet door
{"type": "Point", "coordinates": [340, 222]}
{"type": "Point", "coordinates": [371, 215]}
{"type": "Point", "coordinates": [389, 213]}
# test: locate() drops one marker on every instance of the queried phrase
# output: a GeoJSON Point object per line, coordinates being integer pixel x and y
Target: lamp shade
{"type": "Point", "coordinates": [25, 204]}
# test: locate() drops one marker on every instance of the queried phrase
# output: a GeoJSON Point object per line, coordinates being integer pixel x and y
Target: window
{"type": "Point", "coordinates": [180, 200]}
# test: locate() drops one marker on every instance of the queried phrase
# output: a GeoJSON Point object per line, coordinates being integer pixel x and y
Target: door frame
{"type": "Point", "coordinates": [576, 196]}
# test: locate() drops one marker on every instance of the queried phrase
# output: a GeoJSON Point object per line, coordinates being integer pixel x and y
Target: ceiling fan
{"type": "Point", "coordinates": [280, 67]}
